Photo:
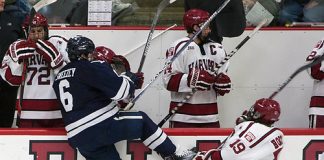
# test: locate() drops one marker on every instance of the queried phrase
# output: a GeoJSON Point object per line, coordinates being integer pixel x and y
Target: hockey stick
{"type": "Point", "coordinates": [155, 36]}
{"type": "Point", "coordinates": [300, 69]}
{"type": "Point", "coordinates": [131, 103]}
{"type": "Point", "coordinates": [179, 105]}
{"type": "Point", "coordinates": [32, 13]}
{"type": "Point", "coordinates": [161, 6]}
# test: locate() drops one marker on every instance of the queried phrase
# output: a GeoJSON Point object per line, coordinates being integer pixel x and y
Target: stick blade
{"type": "Point", "coordinates": [42, 3]}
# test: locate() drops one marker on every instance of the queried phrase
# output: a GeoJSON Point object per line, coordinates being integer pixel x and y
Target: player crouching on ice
{"type": "Point", "coordinates": [88, 91]}
{"type": "Point", "coordinates": [253, 138]}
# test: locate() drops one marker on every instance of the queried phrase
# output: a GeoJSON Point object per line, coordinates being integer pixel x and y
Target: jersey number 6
{"type": "Point", "coordinates": [65, 96]}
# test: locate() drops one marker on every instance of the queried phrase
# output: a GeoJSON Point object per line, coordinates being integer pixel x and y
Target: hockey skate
{"type": "Point", "coordinates": [179, 154]}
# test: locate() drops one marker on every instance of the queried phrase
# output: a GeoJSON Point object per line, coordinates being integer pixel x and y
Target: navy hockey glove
{"type": "Point", "coordinates": [222, 84]}
{"type": "Point", "coordinates": [134, 78]}
{"type": "Point", "coordinates": [200, 80]}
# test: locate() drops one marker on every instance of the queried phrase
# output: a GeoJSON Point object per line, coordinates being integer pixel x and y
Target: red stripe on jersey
{"type": "Point", "coordinates": [174, 82]}
{"type": "Point", "coordinates": [317, 101]}
{"type": "Point", "coordinates": [12, 79]}
{"type": "Point", "coordinates": [177, 46]}
{"type": "Point", "coordinates": [263, 137]}
{"type": "Point", "coordinates": [246, 129]}
{"type": "Point", "coordinates": [39, 104]}
{"type": "Point", "coordinates": [316, 72]}
{"type": "Point", "coordinates": [196, 109]}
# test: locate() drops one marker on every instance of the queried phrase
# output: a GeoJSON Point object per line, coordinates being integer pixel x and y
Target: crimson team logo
{"type": "Point", "coordinates": [314, 150]}
{"type": "Point", "coordinates": [43, 149]}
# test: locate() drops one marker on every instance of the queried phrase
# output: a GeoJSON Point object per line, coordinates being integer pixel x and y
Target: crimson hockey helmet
{"type": "Point", "coordinates": [266, 111]}
{"type": "Point", "coordinates": [79, 45]}
{"type": "Point", "coordinates": [194, 17]}
{"type": "Point", "coordinates": [104, 54]}
{"type": "Point", "coordinates": [38, 20]}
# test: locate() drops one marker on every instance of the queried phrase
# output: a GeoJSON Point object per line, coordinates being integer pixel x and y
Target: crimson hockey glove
{"type": "Point", "coordinates": [244, 117]}
{"type": "Point", "coordinates": [140, 76]}
{"type": "Point", "coordinates": [200, 80]}
{"type": "Point", "coordinates": [49, 53]}
{"type": "Point", "coordinates": [222, 84]}
{"type": "Point", "coordinates": [21, 50]}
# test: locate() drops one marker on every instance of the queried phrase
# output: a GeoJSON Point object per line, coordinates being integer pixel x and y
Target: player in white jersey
{"type": "Point", "coordinates": [316, 111]}
{"type": "Point", "coordinates": [44, 57]}
{"type": "Point", "coordinates": [254, 137]}
{"type": "Point", "coordinates": [195, 68]}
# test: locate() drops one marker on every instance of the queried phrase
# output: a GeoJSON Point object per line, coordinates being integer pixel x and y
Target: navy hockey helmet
{"type": "Point", "coordinates": [79, 45]}
{"type": "Point", "coordinates": [194, 17]}
{"type": "Point", "coordinates": [265, 111]}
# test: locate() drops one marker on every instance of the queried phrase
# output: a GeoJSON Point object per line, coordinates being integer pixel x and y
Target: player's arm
{"type": "Point", "coordinates": [176, 79]}
{"type": "Point", "coordinates": [116, 87]}
{"type": "Point", "coordinates": [11, 68]}
{"type": "Point", "coordinates": [317, 71]}
{"type": "Point", "coordinates": [49, 53]}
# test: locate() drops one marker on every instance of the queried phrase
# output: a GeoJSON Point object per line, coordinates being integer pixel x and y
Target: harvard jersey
{"type": "Point", "coordinates": [84, 110]}
{"type": "Point", "coordinates": [40, 107]}
{"type": "Point", "coordinates": [316, 110]}
{"type": "Point", "coordinates": [202, 106]}
{"type": "Point", "coordinates": [253, 141]}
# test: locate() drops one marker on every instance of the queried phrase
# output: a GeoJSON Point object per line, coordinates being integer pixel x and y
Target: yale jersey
{"type": "Point", "coordinates": [255, 141]}
{"type": "Point", "coordinates": [86, 90]}
{"type": "Point", "coordinates": [203, 103]}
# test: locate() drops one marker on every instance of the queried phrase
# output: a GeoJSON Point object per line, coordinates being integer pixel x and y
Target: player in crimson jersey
{"type": "Point", "coordinates": [44, 57]}
{"type": "Point", "coordinates": [316, 111]}
{"type": "Point", "coordinates": [253, 138]}
{"type": "Point", "coordinates": [195, 68]}
{"type": "Point", "coordinates": [120, 64]}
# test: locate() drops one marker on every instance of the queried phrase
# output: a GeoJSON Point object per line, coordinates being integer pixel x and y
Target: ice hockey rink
{"type": "Point", "coordinates": [256, 70]}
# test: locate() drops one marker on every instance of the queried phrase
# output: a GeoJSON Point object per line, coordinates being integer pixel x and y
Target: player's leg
{"type": "Point", "coordinates": [316, 121]}
{"type": "Point", "coordinates": [8, 96]}
{"type": "Point", "coordinates": [132, 125]}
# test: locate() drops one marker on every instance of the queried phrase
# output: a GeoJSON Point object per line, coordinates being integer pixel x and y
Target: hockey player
{"type": "Point", "coordinates": [253, 138]}
{"type": "Point", "coordinates": [120, 64]}
{"type": "Point", "coordinates": [44, 57]}
{"type": "Point", "coordinates": [316, 111]}
{"type": "Point", "coordinates": [88, 91]}
{"type": "Point", "coordinates": [195, 68]}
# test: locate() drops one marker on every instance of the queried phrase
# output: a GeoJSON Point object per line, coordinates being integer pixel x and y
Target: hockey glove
{"type": "Point", "coordinates": [140, 76]}
{"type": "Point", "coordinates": [222, 84]}
{"type": "Point", "coordinates": [49, 53]}
{"type": "Point", "coordinates": [133, 77]}
{"type": "Point", "coordinates": [200, 80]}
{"type": "Point", "coordinates": [244, 117]}
{"type": "Point", "coordinates": [21, 50]}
